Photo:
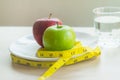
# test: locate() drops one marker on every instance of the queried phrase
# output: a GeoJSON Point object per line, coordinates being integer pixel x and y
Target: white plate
{"type": "Point", "coordinates": [26, 46]}
{"type": "Point", "coordinates": [86, 39]}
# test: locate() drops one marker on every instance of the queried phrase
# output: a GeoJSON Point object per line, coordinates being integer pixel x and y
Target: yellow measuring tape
{"type": "Point", "coordinates": [76, 54]}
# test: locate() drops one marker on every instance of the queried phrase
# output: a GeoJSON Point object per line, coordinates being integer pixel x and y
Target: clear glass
{"type": "Point", "coordinates": [107, 26]}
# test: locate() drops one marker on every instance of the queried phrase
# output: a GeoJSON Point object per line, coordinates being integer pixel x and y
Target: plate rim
{"type": "Point", "coordinates": [32, 58]}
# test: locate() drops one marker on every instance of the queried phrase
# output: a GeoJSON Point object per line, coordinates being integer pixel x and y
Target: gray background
{"type": "Point", "coordinates": [71, 12]}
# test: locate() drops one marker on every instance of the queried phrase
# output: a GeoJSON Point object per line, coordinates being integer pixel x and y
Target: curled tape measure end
{"type": "Point", "coordinates": [65, 58]}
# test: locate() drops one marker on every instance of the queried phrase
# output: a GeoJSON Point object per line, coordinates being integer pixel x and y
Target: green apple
{"type": "Point", "coordinates": [58, 38]}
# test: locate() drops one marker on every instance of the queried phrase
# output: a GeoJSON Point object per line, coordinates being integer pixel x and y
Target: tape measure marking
{"type": "Point", "coordinates": [76, 54]}
{"type": "Point", "coordinates": [86, 55]}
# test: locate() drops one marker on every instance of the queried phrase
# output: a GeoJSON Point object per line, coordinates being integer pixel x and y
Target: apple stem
{"type": "Point", "coordinates": [58, 26]}
{"type": "Point", "coordinates": [49, 15]}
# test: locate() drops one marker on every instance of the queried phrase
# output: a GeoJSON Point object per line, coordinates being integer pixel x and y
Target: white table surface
{"type": "Point", "coordinates": [105, 67]}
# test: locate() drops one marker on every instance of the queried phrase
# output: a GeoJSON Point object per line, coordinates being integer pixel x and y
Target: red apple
{"type": "Point", "coordinates": [40, 26]}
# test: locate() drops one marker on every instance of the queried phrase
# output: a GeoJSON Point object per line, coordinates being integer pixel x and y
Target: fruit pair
{"type": "Point", "coordinates": [52, 35]}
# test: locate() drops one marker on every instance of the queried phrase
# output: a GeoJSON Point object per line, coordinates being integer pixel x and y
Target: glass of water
{"type": "Point", "coordinates": [107, 26]}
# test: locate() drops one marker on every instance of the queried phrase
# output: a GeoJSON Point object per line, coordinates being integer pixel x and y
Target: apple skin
{"type": "Point", "coordinates": [40, 26]}
{"type": "Point", "coordinates": [59, 38]}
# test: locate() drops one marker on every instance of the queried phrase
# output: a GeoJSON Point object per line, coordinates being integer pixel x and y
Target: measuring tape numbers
{"type": "Point", "coordinates": [76, 54]}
